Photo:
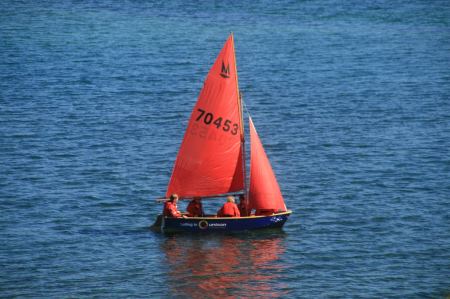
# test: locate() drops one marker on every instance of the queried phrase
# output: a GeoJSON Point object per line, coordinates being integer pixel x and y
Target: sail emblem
{"type": "Point", "coordinates": [225, 72]}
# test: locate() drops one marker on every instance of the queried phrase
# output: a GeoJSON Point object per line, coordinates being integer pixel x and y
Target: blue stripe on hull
{"type": "Point", "coordinates": [209, 224]}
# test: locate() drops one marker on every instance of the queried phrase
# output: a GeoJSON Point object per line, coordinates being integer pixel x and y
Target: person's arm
{"type": "Point", "coordinates": [236, 211]}
{"type": "Point", "coordinates": [174, 212]}
{"type": "Point", "coordinates": [189, 209]}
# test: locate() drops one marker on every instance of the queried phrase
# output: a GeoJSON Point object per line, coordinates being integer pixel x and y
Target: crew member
{"type": "Point", "coordinates": [229, 209]}
{"type": "Point", "coordinates": [170, 207]}
{"type": "Point", "coordinates": [195, 208]}
{"type": "Point", "coordinates": [243, 206]}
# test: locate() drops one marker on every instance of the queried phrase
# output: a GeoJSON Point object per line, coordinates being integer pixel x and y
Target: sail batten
{"type": "Point", "coordinates": [210, 158]}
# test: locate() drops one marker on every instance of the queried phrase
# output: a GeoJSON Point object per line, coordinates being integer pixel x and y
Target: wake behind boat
{"type": "Point", "coordinates": [211, 159]}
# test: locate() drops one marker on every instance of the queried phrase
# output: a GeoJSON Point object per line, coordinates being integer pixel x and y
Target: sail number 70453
{"type": "Point", "coordinates": [226, 125]}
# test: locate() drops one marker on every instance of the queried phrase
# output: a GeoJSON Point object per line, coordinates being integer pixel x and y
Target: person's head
{"type": "Point", "coordinates": [230, 198]}
{"type": "Point", "coordinates": [241, 198]}
{"type": "Point", "coordinates": [174, 198]}
{"type": "Point", "coordinates": [197, 199]}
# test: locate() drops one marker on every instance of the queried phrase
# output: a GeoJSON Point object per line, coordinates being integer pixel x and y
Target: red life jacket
{"type": "Point", "coordinates": [229, 209]}
{"type": "Point", "coordinates": [195, 209]}
{"type": "Point", "coordinates": [170, 210]}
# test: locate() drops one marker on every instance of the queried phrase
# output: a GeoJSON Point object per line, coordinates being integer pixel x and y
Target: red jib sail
{"type": "Point", "coordinates": [209, 161]}
{"type": "Point", "coordinates": [264, 191]}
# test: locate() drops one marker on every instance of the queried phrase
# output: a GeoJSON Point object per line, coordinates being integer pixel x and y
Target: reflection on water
{"type": "Point", "coordinates": [225, 266]}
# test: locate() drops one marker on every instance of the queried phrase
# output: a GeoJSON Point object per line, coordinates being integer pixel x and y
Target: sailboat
{"type": "Point", "coordinates": [211, 159]}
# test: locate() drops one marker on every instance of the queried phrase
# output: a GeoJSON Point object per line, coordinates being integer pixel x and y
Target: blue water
{"type": "Point", "coordinates": [351, 100]}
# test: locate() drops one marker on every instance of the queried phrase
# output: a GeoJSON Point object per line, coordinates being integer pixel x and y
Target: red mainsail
{"type": "Point", "coordinates": [264, 191]}
{"type": "Point", "coordinates": [210, 159]}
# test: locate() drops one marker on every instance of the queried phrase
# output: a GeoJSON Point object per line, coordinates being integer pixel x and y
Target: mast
{"type": "Point", "coordinates": [239, 99]}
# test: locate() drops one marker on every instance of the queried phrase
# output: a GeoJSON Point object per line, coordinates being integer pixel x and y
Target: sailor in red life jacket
{"type": "Point", "coordinates": [229, 209]}
{"type": "Point", "coordinates": [195, 208]}
{"type": "Point", "coordinates": [243, 206]}
{"type": "Point", "coordinates": [170, 207]}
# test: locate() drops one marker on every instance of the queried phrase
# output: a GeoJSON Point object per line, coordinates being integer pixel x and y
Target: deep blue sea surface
{"type": "Point", "coordinates": [351, 100]}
